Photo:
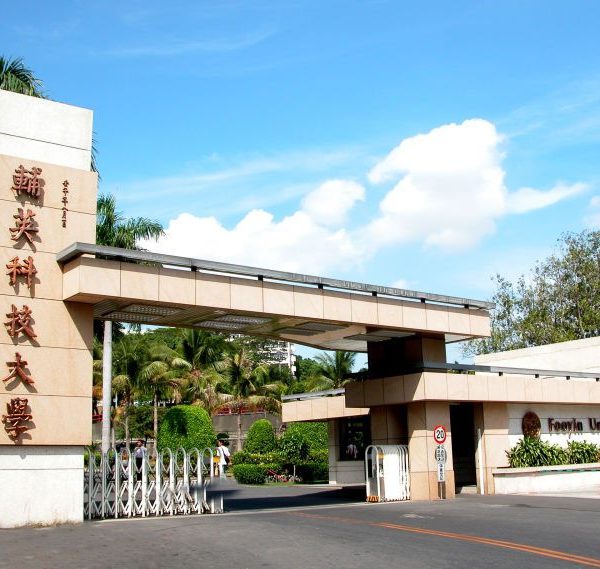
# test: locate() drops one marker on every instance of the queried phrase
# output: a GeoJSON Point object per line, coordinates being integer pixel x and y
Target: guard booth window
{"type": "Point", "coordinates": [355, 437]}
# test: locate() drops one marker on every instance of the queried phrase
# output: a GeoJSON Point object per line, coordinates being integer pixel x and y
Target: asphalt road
{"type": "Point", "coordinates": [327, 528]}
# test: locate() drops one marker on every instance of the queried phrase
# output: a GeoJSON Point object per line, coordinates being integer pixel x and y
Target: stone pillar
{"type": "Point", "coordinates": [422, 417]}
{"type": "Point", "coordinates": [495, 442]}
{"type": "Point", "coordinates": [388, 425]}
{"type": "Point", "coordinates": [48, 200]}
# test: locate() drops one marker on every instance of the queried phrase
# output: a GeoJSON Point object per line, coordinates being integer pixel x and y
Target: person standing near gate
{"type": "Point", "coordinates": [139, 453]}
{"type": "Point", "coordinates": [224, 457]}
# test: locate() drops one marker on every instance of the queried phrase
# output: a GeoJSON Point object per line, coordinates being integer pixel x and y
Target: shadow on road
{"type": "Point", "coordinates": [245, 498]}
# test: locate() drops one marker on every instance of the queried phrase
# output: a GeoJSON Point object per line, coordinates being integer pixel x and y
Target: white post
{"type": "Point", "coordinates": [106, 384]}
{"type": "Point", "coordinates": [481, 464]}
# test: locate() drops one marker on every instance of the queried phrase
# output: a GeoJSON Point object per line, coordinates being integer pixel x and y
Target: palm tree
{"type": "Point", "coordinates": [130, 356]}
{"type": "Point", "coordinates": [202, 349]}
{"type": "Point", "coordinates": [246, 385]}
{"type": "Point", "coordinates": [115, 230]}
{"type": "Point", "coordinates": [17, 78]}
{"type": "Point", "coordinates": [162, 378]}
{"type": "Point", "coordinates": [334, 370]}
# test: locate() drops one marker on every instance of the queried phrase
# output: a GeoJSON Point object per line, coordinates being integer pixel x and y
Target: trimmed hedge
{"type": "Point", "coordinates": [187, 426]}
{"type": "Point", "coordinates": [261, 437]}
{"type": "Point", "coordinates": [250, 473]}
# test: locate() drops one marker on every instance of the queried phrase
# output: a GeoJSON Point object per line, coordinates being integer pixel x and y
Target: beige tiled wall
{"type": "Point", "coordinates": [59, 358]}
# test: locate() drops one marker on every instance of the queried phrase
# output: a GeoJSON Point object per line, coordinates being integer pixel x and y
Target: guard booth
{"type": "Point", "coordinates": [386, 473]}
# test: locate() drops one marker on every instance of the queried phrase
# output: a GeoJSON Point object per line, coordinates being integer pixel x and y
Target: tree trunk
{"type": "Point", "coordinates": [239, 429]}
{"type": "Point", "coordinates": [155, 419]}
{"type": "Point", "coordinates": [106, 385]}
{"type": "Point", "coordinates": [126, 412]}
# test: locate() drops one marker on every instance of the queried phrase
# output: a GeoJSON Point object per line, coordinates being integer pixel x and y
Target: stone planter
{"type": "Point", "coordinates": [547, 479]}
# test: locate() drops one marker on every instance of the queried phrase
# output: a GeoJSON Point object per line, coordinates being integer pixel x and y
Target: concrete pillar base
{"type": "Point", "coordinates": [41, 485]}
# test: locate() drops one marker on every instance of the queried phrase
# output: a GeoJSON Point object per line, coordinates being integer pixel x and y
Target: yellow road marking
{"type": "Point", "coordinates": [563, 556]}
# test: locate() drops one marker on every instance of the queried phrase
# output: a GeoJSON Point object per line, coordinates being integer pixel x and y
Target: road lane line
{"type": "Point", "coordinates": [532, 549]}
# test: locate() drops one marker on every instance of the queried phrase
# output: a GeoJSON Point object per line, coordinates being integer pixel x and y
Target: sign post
{"type": "Point", "coordinates": [439, 436]}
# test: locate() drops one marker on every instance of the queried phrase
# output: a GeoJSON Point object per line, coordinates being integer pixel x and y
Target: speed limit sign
{"type": "Point", "coordinates": [439, 434]}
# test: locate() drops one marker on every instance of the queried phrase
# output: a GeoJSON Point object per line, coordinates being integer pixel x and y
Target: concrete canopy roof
{"type": "Point", "coordinates": [165, 290]}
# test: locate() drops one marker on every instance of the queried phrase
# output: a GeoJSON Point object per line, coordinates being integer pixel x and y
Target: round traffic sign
{"type": "Point", "coordinates": [439, 434]}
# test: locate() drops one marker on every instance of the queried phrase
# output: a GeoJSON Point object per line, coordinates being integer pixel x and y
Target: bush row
{"type": "Point", "coordinates": [275, 457]}
{"type": "Point", "coordinates": [531, 451]}
{"type": "Point", "coordinates": [257, 473]}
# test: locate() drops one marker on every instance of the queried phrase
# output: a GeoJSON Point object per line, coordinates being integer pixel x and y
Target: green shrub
{"type": "Point", "coordinates": [261, 437]}
{"type": "Point", "coordinates": [313, 471]}
{"type": "Point", "coordinates": [249, 473]}
{"type": "Point", "coordinates": [530, 451]}
{"type": "Point", "coordinates": [315, 434]}
{"type": "Point", "coordinates": [582, 452]}
{"type": "Point", "coordinates": [187, 426]}
{"type": "Point", "coordinates": [318, 456]}
{"type": "Point", "coordinates": [293, 446]}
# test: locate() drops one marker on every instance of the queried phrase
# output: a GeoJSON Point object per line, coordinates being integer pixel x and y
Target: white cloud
{"type": "Point", "coordinates": [296, 243]}
{"type": "Point", "coordinates": [451, 187]}
{"type": "Point", "coordinates": [529, 199]}
{"type": "Point", "coordinates": [330, 203]}
{"type": "Point", "coordinates": [447, 191]}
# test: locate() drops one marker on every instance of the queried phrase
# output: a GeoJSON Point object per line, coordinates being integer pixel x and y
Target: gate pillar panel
{"type": "Point", "coordinates": [388, 425]}
{"type": "Point", "coordinates": [421, 419]}
{"type": "Point", "coordinates": [47, 202]}
{"type": "Point", "coordinates": [495, 441]}
{"type": "Point", "coordinates": [399, 355]}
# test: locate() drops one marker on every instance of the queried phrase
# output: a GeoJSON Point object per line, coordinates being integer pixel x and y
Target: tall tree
{"type": "Point", "coordinates": [162, 378]}
{"type": "Point", "coordinates": [334, 369]}
{"type": "Point", "coordinates": [131, 354]}
{"type": "Point", "coordinates": [558, 301]}
{"type": "Point", "coordinates": [15, 77]}
{"type": "Point", "coordinates": [115, 230]}
{"type": "Point", "coordinates": [245, 384]}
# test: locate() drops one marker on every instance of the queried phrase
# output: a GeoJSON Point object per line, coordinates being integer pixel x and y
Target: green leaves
{"type": "Point", "coordinates": [557, 302]}
{"type": "Point", "coordinates": [187, 426]}
{"type": "Point", "coordinates": [532, 452]}
{"type": "Point", "coordinates": [260, 437]}
{"type": "Point", "coordinates": [17, 78]}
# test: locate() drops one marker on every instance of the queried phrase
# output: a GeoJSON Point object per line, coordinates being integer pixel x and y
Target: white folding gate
{"type": "Point", "coordinates": [118, 485]}
{"type": "Point", "coordinates": [387, 474]}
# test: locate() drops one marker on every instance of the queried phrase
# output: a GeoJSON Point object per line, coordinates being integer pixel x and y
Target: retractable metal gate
{"type": "Point", "coordinates": [119, 485]}
{"type": "Point", "coordinates": [387, 473]}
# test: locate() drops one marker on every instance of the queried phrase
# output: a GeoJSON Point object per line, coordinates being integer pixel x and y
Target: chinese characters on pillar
{"type": "Point", "coordinates": [17, 268]}
{"type": "Point", "coordinates": [65, 201]}
{"type": "Point", "coordinates": [17, 370]}
{"type": "Point", "coordinates": [26, 185]}
{"type": "Point", "coordinates": [28, 182]}
{"type": "Point", "coordinates": [25, 225]}
{"type": "Point", "coordinates": [19, 322]}
{"type": "Point", "coordinates": [16, 417]}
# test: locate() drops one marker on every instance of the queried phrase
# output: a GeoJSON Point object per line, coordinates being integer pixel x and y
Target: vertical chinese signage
{"type": "Point", "coordinates": [27, 186]}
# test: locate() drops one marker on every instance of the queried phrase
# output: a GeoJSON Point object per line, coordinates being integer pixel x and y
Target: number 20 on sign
{"type": "Point", "coordinates": [439, 434]}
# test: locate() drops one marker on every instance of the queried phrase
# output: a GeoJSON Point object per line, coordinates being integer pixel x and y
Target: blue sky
{"type": "Point", "coordinates": [430, 145]}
